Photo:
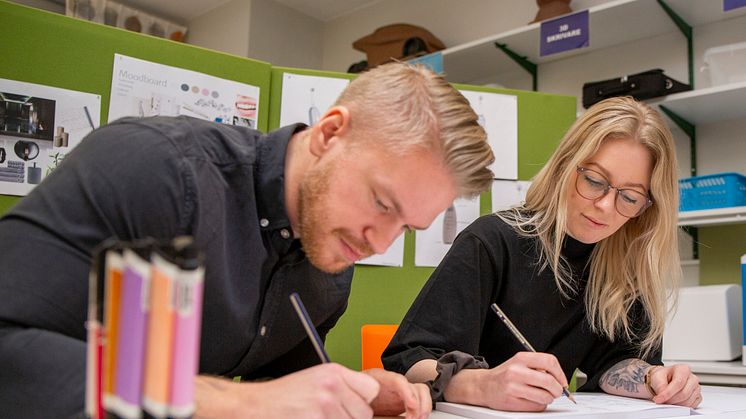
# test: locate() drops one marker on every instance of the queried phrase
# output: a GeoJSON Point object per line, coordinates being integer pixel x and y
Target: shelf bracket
{"type": "Point", "coordinates": [522, 61]}
{"type": "Point", "coordinates": [691, 131]}
{"type": "Point", "coordinates": [685, 29]}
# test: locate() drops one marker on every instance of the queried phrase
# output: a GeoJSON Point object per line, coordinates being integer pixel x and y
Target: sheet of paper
{"type": "Point", "coordinates": [722, 399]}
{"type": "Point", "coordinates": [590, 405]}
{"type": "Point", "coordinates": [498, 115]}
{"type": "Point", "coordinates": [508, 193]}
{"type": "Point", "coordinates": [394, 256]}
{"type": "Point", "coordinates": [39, 126]}
{"type": "Point", "coordinates": [432, 244]}
{"type": "Point", "coordinates": [306, 98]}
{"type": "Point", "coordinates": [143, 88]}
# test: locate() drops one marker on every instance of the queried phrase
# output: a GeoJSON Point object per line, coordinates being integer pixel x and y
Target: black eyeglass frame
{"type": "Point", "coordinates": [648, 200]}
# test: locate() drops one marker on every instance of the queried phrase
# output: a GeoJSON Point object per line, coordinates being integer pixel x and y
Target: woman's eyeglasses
{"type": "Point", "coordinates": [593, 185]}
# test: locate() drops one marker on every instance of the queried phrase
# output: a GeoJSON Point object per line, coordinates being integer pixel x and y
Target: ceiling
{"type": "Point", "coordinates": [183, 11]}
{"type": "Point", "coordinates": [325, 10]}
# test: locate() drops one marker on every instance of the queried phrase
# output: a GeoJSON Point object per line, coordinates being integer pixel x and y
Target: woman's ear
{"type": "Point", "coordinates": [332, 127]}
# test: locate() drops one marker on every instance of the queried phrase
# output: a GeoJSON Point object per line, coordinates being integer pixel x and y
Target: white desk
{"type": "Point", "coordinates": [717, 402]}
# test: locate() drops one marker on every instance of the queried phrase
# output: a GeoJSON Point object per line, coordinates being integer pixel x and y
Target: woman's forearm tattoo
{"type": "Point", "coordinates": [628, 375]}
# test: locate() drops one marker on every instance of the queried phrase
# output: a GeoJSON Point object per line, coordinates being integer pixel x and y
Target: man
{"type": "Point", "coordinates": [287, 211]}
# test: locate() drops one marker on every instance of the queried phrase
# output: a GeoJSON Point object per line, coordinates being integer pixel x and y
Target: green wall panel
{"type": "Point", "coordinates": [54, 50]}
{"type": "Point", "coordinates": [720, 251]}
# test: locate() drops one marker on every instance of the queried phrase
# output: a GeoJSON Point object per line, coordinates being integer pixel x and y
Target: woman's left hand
{"type": "Point", "coordinates": [675, 385]}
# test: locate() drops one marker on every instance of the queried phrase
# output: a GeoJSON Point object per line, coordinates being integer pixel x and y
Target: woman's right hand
{"type": "Point", "coordinates": [527, 382]}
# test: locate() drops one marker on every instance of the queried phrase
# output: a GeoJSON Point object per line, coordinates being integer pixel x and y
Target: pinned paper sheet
{"type": "Point", "coordinates": [498, 115]}
{"type": "Point", "coordinates": [393, 256]}
{"type": "Point", "coordinates": [432, 244]}
{"type": "Point", "coordinates": [306, 98]}
{"type": "Point", "coordinates": [143, 88]}
{"type": "Point", "coordinates": [508, 193]}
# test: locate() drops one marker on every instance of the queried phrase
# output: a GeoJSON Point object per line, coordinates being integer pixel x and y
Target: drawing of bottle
{"type": "Point", "coordinates": [313, 111]}
{"type": "Point", "coordinates": [449, 225]}
{"type": "Point", "coordinates": [480, 115]}
{"type": "Point", "coordinates": [34, 175]}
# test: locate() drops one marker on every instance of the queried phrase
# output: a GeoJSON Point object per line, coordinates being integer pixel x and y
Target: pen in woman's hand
{"type": "Point", "coordinates": [514, 330]}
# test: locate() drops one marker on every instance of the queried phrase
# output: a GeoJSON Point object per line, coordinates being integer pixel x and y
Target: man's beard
{"type": "Point", "coordinates": [313, 216]}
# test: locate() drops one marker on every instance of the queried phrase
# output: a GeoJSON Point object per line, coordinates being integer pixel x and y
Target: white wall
{"type": "Point", "coordinates": [225, 28]}
{"type": "Point", "coordinates": [260, 29]}
{"type": "Point", "coordinates": [283, 36]}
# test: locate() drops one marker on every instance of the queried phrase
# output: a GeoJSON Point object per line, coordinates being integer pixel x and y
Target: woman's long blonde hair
{"type": "Point", "coordinates": [639, 262]}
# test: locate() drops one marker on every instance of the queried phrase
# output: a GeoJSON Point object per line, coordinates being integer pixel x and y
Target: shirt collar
{"type": "Point", "coordinates": [270, 177]}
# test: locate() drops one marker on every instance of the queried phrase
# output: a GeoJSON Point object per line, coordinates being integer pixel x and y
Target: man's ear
{"type": "Point", "coordinates": [331, 127]}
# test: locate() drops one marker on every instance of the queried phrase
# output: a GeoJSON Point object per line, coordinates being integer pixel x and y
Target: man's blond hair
{"type": "Point", "coordinates": [404, 107]}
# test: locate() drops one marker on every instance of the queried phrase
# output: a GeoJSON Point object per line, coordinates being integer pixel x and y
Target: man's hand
{"type": "Point", "coordinates": [323, 391]}
{"type": "Point", "coordinates": [526, 382]}
{"type": "Point", "coordinates": [398, 395]}
{"type": "Point", "coordinates": [675, 385]}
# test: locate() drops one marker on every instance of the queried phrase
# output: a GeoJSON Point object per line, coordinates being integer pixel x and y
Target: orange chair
{"type": "Point", "coordinates": [375, 339]}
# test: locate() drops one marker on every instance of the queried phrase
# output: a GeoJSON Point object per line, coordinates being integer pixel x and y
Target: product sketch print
{"type": "Point", "coordinates": [305, 98]}
{"type": "Point", "coordinates": [36, 122]}
{"type": "Point", "coordinates": [450, 225]}
{"type": "Point", "coordinates": [313, 111]}
{"type": "Point", "coordinates": [480, 113]}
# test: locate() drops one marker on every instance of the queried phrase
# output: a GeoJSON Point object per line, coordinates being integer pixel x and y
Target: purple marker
{"type": "Point", "coordinates": [133, 320]}
{"type": "Point", "coordinates": [188, 291]}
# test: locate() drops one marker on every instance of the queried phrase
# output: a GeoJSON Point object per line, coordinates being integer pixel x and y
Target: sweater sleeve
{"type": "Point", "coordinates": [449, 313]}
{"type": "Point", "coordinates": [43, 373]}
{"type": "Point", "coordinates": [105, 188]}
{"type": "Point", "coordinates": [605, 353]}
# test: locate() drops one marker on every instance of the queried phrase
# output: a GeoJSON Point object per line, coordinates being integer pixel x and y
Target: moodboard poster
{"type": "Point", "coordinates": [143, 88]}
{"type": "Point", "coordinates": [39, 125]}
{"type": "Point", "coordinates": [306, 98]}
{"type": "Point", "coordinates": [432, 244]}
{"type": "Point", "coordinates": [498, 115]}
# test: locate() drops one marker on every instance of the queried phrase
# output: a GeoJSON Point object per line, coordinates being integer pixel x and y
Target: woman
{"type": "Point", "coordinates": [583, 269]}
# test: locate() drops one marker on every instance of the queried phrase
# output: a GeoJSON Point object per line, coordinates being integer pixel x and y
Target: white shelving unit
{"type": "Point", "coordinates": [713, 104]}
{"type": "Point", "coordinates": [702, 106]}
{"type": "Point", "coordinates": [614, 23]}
{"type": "Point", "coordinates": [713, 217]}
{"type": "Point", "coordinates": [716, 372]}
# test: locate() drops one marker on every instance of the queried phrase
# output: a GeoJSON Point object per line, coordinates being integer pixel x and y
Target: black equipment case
{"type": "Point", "coordinates": [645, 85]}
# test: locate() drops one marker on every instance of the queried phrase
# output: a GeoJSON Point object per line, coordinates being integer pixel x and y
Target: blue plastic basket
{"type": "Point", "coordinates": [712, 191]}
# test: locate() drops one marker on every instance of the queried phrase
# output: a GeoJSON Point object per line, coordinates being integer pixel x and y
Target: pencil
{"type": "Point", "coordinates": [514, 330]}
{"type": "Point", "coordinates": [300, 309]}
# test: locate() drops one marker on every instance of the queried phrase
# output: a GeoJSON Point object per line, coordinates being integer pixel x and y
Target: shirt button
{"type": "Point", "coordinates": [263, 331]}
{"type": "Point", "coordinates": [264, 222]}
{"type": "Point", "coordinates": [284, 233]}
